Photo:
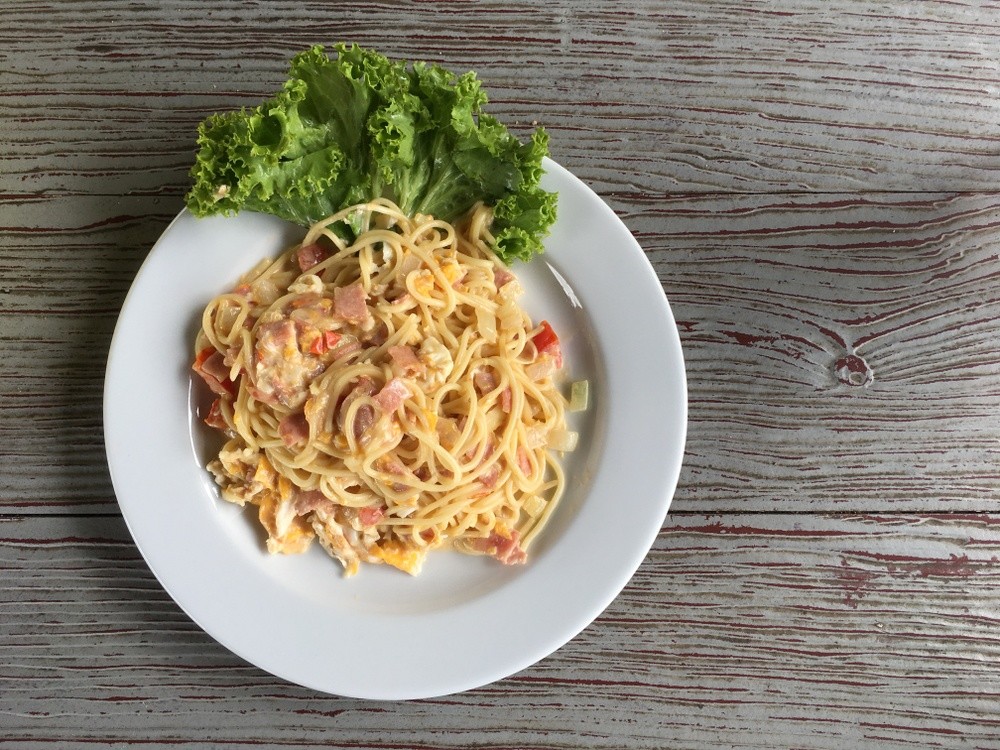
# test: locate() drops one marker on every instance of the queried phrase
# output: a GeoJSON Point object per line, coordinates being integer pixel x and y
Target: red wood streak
{"type": "Point", "coordinates": [720, 527]}
{"type": "Point", "coordinates": [955, 566]}
{"type": "Point", "coordinates": [690, 639]}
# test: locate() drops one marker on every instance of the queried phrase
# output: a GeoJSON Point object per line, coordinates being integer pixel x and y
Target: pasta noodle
{"type": "Point", "coordinates": [386, 396]}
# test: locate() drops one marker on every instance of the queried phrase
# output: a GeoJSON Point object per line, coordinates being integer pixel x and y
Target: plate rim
{"type": "Point", "coordinates": [666, 480]}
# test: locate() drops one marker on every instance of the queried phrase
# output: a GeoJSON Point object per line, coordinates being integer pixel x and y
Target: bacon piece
{"type": "Point", "coordinates": [485, 380]}
{"type": "Point", "coordinates": [306, 501]}
{"type": "Point", "coordinates": [393, 394]}
{"type": "Point", "coordinates": [370, 516]}
{"type": "Point", "coordinates": [210, 364]}
{"type": "Point", "coordinates": [399, 296]}
{"type": "Point", "coordinates": [507, 551]}
{"type": "Point", "coordinates": [281, 372]}
{"type": "Point", "coordinates": [506, 399]}
{"type": "Point", "coordinates": [294, 429]}
{"type": "Point", "coordinates": [276, 339]}
{"type": "Point", "coordinates": [405, 360]}
{"type": "Point", "coordinates": [378, 334]}
{"type": "Point", "coordinates": [232, 352]}
{"type": "Point", "coordinates": [365, 416]}
{"type": "Point", "coordinates": [214, 417]}
{"type": "Point", "coordinates": [346, 348]}
{"type": "Point", "coordinates": [363, 420]}
{"type": "Point", "coordinates": [364, 386]}
{"type": "Point", "coordinates": [491, 446]}
{"type": "Point", "coordinates": [310, 255]}
{"type": "Point", "coordinates": [215, 366]}
{"type": "Point", "coordinates": [523, 460]}
{"type": "Point", "coordinates": [349, 303]}
{"type": "Point", "coordinates": [489, 477]}
{"type": "Point", "coordinates": [396, 468]}
{"type": "Point", "coordinates": [501, 276]}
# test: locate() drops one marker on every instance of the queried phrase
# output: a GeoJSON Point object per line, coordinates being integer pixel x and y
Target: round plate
{"type": "Point", "coordinates": [465, 621]}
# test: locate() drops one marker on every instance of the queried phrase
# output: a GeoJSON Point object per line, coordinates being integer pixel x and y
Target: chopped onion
{"type": "Point", "coordinates": [579, 395]}
{"type": "Point", "coordinates": [511, 290]}
{"type": "Point", "coordinates": [265, 291]}
{"type": "Point", "coordinates": [509, 314]}
{"type": "Point", "coordinates": [535, 437]}
{"type": "Point", "coordinates": [410, 262]}
{"type": "Point", "coordinates": [487, 325]}
{"type": "Point", "coordinates": [227, 317]}
{"type": "Point", "coordinates": [563, 440]}
{"type": "Point", "coordinates": [541, 368]}
{"type": "Point", "coordinates": [306, 283]}
{"type": "Point", "coordinates": [494, 420]}
{"type": "Point", "coordinates": [533, 506]}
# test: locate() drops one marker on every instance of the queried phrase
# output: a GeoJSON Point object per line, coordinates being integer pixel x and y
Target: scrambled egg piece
{"type": "Point", "coordinates": [286, 532]}
{"type": "Point", "coordinates": [395, 554]}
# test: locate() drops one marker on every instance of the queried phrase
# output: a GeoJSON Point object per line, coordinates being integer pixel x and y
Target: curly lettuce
{"type": "Point", "coordinates": [357, 126]}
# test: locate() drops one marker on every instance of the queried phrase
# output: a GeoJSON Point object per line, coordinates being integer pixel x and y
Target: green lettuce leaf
{"type": "Point", "coordinates": [358, 126]}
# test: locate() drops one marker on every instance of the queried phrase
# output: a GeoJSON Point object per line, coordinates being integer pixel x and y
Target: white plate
{"type": "Point", "coordinates": [465, 621]}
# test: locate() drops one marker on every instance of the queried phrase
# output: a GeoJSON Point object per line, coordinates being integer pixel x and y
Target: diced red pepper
{"type": "Point", "coordinates": [545, 338]}
{"type": "Point", "coordinates": [547, 342]}
{"type": "Point", "coordinates": [324, 342]}
{"type": "Point", "coordinates": [201, 356]}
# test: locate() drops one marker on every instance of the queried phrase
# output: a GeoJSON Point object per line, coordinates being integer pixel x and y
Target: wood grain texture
{"type": "Point", "coordinates": [763, 630]}
{"type": "Point", "coordinates": [841, 350]}
{"type": "Point", "coordinates": [776, 297]}
{"type": "Point", "coordinates": [98, 131]}
{"type": "Point", "coordinates": [649, 96]}
{"type": "Point", "coordinates": [98, 124]}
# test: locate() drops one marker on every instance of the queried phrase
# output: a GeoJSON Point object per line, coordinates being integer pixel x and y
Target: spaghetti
{"type": "Point", "coordinates": [386, 396]}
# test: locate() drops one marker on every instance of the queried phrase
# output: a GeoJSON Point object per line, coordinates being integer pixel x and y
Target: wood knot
{"type": "Point", "coordinates": [854, 371]}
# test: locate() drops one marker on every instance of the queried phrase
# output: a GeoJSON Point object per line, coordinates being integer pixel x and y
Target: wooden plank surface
{"type": "Point", "coordinates": [815, 184]}
{"type": "Point", "coordinates": [646, 97]}
{"type": "Point", "coordinates": [777, 299]}
{"type": "Point", "coordinates": [739, 631]}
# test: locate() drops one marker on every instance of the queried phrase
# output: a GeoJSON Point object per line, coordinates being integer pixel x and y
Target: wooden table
{"type": "Point", "coordinates": [816, 185]}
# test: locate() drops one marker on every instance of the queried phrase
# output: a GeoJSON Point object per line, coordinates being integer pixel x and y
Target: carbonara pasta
{"type": "Point", "coordinates": [386, 397]}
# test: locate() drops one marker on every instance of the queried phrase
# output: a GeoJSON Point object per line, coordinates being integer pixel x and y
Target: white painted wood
{"type": "Point", "coordinates": [841, 349]}
{"type": "Point", "coordinates": [649, 97]}
{"type": "Point", "coordinates": [739, 631]}
{"type": "Point", "coordinates": [775, 296]}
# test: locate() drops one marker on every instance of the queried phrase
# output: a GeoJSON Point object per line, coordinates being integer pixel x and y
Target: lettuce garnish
{"type": "Point", "coordinates": [357, 126]}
